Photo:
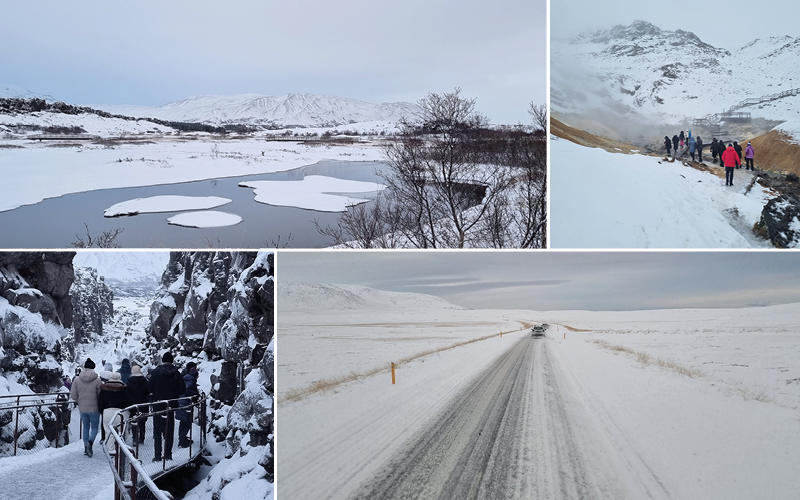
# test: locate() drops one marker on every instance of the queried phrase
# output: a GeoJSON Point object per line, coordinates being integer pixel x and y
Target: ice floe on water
{"type": "Point", "coordinates": [164, 203]}
{"type": "Point", "coordinates": [314, 192]}
{"type": "Point", "coordinates": [207, 218]}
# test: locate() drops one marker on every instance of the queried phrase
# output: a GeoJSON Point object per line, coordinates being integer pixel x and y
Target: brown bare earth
{"type": "Point", "coordinates": [583, 138]}
{"type": "Point", "coordinates": [776, 152]}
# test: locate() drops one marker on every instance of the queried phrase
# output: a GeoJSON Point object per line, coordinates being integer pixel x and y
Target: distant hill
{"type": "Point", "coordinates": [291, 110]}
{"type": "Point", "coordinates": [322, 296]}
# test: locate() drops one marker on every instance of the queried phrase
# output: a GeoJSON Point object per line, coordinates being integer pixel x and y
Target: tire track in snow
{"type": "Point", "coordinates": [506, 435]}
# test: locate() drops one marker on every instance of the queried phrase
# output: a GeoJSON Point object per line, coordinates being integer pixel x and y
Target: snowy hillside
{"type": "Point", "coordinates": [302, 296]}
{"type": "Point", "coordinates": [14, 92]}
{"type": "Point", "coordinates": [291, 110]}
{"type": "Point", "coordinates": [671, 75]}
{"type": "Point", "coordinates": [606, 200]}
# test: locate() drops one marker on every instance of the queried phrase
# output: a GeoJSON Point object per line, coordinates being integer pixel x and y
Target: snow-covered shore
{"type": "Point", "coordinates": [44, 170]}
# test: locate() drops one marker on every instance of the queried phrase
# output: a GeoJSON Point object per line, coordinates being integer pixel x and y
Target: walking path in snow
{"type": "Point", "coordinates": [57, 473]}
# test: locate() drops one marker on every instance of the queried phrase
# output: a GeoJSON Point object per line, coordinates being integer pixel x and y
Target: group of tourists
{"type": "Point", "coordinates": [169, 392]}
{"type": "Point", "coordinates": [683, 140]}
{"type": "Point", "coordinates": [729, 157]}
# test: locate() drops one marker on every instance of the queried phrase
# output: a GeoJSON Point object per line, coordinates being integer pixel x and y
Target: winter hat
{"type": "Point", "coordinates": [89, 363]}
{"type": "Point", "coordinates": [115, 376]}
{"type": "Point", "coordinates": [108, 367]}
{"type": "Point", "coordinates": [136, 371]}
{"type": "Point", "coordinates": [167, 357]}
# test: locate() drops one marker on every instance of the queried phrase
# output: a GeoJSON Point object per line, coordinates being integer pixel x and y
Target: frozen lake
{"type": "Point", "coordinates": [57, 222]}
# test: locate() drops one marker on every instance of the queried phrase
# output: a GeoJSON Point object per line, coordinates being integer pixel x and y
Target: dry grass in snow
{"type": "Point", "coordinates": [647, 359]}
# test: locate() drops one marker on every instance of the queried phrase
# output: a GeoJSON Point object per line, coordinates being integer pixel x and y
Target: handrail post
{"type": "Point", "coordinates": [58, 422]}
{"type": "Point", "coordinates": [16, 428]}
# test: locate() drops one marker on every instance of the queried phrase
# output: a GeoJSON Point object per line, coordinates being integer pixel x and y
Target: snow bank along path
{"type": "Point", "coordinates": [62, 473]}
{"type": "Point", "coordinates": [606, 200]}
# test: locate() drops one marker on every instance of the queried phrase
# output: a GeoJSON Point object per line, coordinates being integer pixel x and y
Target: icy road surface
{"type": "Point", "coordinates": [508, 434]}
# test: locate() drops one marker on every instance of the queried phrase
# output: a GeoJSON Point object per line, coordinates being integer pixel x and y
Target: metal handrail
{"type": "Point", "coordinates": [127, 488]}
{"type": "Point", "coordinates": [59, 401]}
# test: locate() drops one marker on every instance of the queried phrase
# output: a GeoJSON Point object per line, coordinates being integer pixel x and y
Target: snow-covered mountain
{"type": "Point", "coordinates": [14, 92]}
{"type": "Point", "coordinates": [291, 110]}
{"type": "Point", "coordinates": [140, 269]}
{"type": "Point", "coordinates": [642, 70]}
{"type": "Point", "coordinates": [311, 296]}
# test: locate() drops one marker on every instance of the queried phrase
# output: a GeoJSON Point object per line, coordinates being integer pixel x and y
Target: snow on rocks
{"type": "Point", "coordinates": [314, 192]}
{"type": "Point", "coordinates": [165, 203]}
{"type": "Point", "coordinates": [208, 218]}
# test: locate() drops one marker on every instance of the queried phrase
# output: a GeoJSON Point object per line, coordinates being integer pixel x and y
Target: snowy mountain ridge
{"type": "Point", "coordinates": [305, 296]}
{"type": "Point", "coordinates": [126, 268]}
{"type": "Point", "coordinates": [290, 110]}
{"type": "Point", "coordinates": [643, 70]}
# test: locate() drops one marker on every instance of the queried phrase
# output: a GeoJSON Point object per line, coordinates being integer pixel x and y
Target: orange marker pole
{"type": "Point", "coordinates": [501, 335]}
{"type": "Point", "coordinates": [392, 373]}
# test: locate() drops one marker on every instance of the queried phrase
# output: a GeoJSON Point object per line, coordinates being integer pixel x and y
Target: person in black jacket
{"type": "Point", "coordinates": [675, 143]}
{"type": "Point", "coordinates": [184, 415]}
{"type": "Point", "coordinates": [667, 144]}
{"type": "Point", "coordinates": [699, 148]}
{"type": "Point", "coordinates": [165, 384]}
{"type": "Point", "coordinates": [137, 387]}
{"type": "Point", "coordinates": [125, 370]}
{"type": "Point", "coordinates": [113, 396]}
{"type": "Point", "coordinates": [738, 150]}
{"type": "Point", "coordinates": [721, 149]}
{"type": "Point", "coordinates": [714, 150]}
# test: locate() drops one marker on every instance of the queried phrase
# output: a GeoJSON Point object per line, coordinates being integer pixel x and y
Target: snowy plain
{"type": "Point", "coordinates": [608, 200]}
{"type": "Point", "coordinates": [729, 429]}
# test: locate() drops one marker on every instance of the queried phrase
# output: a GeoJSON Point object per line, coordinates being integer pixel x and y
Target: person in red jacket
{"type": "Point", "coordinates": [731, 159]}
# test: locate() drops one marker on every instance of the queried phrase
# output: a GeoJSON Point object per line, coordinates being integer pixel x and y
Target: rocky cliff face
{"type": "Point", "coordinates": [92, 304]}
{"type": "Point", "coordinates": [220, 306]}
{"type": "Point", "coordinates": [35, 314]}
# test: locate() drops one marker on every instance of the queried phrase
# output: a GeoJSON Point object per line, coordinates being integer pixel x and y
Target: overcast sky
{"type": "Point", "coordinates": [728, 25]}
{"type": "Point", "coordinates": [561, 280]}
{"type": "Point", "coordinates": [152, 52]}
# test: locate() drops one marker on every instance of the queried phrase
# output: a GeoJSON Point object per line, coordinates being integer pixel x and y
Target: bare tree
{"type": "Point", "coordinates": [538, 113]}
{"type": "Point", "coordinates": [453, 183]}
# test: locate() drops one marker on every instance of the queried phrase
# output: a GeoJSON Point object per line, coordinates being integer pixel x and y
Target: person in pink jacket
{"type": "Point", "coordinates": [749, 153]}
{"type": "Point", "coordinates": [731, 160]}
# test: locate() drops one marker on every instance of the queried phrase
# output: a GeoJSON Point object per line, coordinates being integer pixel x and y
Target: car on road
{"type": "Point", "coordinates": [537, 331]}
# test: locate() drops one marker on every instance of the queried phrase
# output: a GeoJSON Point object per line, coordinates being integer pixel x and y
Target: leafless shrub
{"type": "Point", "coordinates": [106, 239]}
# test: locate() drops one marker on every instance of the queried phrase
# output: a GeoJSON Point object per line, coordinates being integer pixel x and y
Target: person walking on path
{"type": "Point", "coordinates": [699, 147]}
{"type": "Point", "coordinates": [137, 387]}
{"type": "Point", "coordinates": [749, 153]}
{"type": "Point", "coordinates": [184, 415]}
{"type": "Point", "coordinates": [85, 389]}
{"type": "Point", "coordinates": [681, 137]}
{"type": "Point", "coordinates": [692, 146]}
{"type": "Point", "coordinates": [738, 150]}
{"type": "Point", "coordinates": [714, 150]}
{"type": "Point", "coordinates": [675, 144]}
{"type": "Point", "coordinates": [165, 383]}
{"type": "Point", "coordinates": [720, 150]}
{"type": "Point", "coordinates": [105, 375]}
{"type": "Point", "coordinates": [125, 370]}
{"type": "Point", "coordinates": [113, 396]}
{"type": "Point", "coordinates": [731, 160]}
{"type": "Point", "coordinates": [667, 144]}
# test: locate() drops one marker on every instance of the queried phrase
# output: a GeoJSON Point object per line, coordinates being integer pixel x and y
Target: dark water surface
{"type": "Point", "coordinates": [57, 222]}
